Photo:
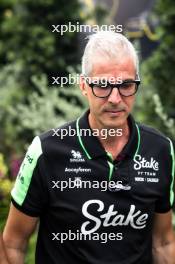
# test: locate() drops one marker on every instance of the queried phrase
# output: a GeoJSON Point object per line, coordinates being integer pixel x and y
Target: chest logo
{"type": "Point", "coordinates": [76, 156]}
{"type": "Point", "coordinates": [112, 217]}
{"type": "Point", "coordinates": [140, 162]}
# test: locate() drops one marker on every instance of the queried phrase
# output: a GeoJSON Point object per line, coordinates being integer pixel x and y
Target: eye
{"type": "Point", "coordinates": [127, 85]}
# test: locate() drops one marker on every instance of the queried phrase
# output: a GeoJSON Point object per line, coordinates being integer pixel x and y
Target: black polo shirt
{"type": "Point", "coordinates": [94, 209]}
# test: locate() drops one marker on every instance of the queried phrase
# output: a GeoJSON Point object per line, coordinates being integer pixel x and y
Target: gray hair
{"type": "Point", "coordinates": [108, 44]}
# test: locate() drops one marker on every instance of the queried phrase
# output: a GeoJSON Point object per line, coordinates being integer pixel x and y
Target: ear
{"type": "Point", "coordinates": [83, 85]}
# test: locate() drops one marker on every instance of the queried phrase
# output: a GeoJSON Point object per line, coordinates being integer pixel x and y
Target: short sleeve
{"type": "Point", "coordinates": [166, 201]}
{"type": "Point", "coordinates": [29, 193]}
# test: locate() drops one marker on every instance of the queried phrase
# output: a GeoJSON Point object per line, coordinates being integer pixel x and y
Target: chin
{"type": "Point", "coordinates": [114, 123]}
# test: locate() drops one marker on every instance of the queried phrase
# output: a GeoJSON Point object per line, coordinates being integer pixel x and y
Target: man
{"type": "Point", "coordinates": [3, 257]}
{"type": "Point", "coordinates": [99, 199]}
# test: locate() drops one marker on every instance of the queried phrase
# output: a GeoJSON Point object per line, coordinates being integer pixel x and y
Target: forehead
{"type": "Point", "coordinates": [125, 67]}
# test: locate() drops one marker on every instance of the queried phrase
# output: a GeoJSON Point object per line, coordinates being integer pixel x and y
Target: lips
{"type": "Point", "coordinates": [115, 110]}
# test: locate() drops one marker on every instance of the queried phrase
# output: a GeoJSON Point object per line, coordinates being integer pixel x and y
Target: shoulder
{"type": "Point", "coordinates": [56, 132]}
{"type": "Point", "coordinates": [56, 137]}
{"type": "Point", "coordinates": [153, 135]}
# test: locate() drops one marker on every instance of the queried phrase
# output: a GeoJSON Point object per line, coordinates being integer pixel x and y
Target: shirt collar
{"type": "Point", "coordinates": [92, 146]}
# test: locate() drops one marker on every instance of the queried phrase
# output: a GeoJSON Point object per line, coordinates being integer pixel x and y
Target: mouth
{"type": "Point", "coordinates": [115, 112]}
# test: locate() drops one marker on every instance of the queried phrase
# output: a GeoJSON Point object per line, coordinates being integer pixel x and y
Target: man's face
{"type": "Point", "coordinates": [110, 112]}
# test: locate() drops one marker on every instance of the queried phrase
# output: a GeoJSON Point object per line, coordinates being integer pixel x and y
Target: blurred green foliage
{"type": "Point", "coordinates": [26, 28]}
{"type": "Point", "coordinates": [23, 117]}
{"type": "Point", "coordinates": [30, 50]}
{"type": "Point", "coordinates": [5, 188]}
{"type": "Point", "coordinates": [157, 102]}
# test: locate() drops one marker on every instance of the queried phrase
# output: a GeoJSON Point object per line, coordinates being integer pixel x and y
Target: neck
{"type": "Point", "coordinates": [112, 144]}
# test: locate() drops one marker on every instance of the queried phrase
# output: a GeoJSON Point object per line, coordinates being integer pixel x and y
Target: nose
{"type": "Point", "coordinates": [115, 96]}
